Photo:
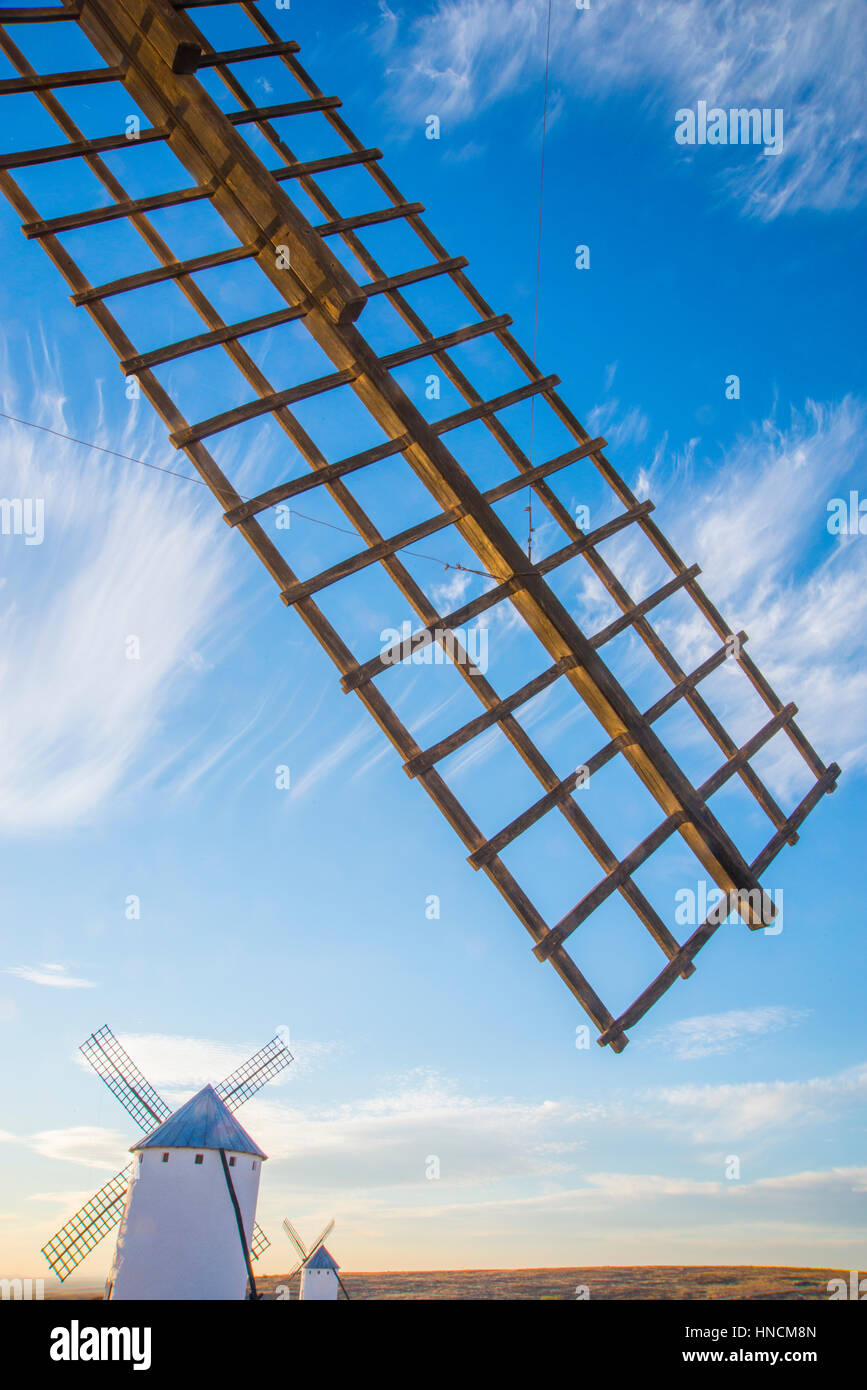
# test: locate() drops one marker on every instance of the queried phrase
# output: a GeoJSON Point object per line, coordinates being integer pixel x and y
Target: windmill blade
{"type": "Point", "coordinates": [296, 1241]}
{"type": "Point", "coordinates": [116, 1068]}
{"type": "Point", "coordinates": [83, 1231]}
{"type": "Point", "coordinates": [243, 1083]}
{"type": "Point", "coordinates": [320, 1240]}
{"type": "Point", "coordinates": [260, 1242]}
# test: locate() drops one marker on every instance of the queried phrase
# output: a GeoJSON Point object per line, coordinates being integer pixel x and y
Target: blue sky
{"type": "Point", "coordinates": [306, 907]}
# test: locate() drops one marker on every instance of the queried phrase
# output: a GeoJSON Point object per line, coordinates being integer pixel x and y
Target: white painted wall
{"type": "Point", "coordinates": [319, 1283]}
{"type": "Point", "coordinates": [178, 1236]}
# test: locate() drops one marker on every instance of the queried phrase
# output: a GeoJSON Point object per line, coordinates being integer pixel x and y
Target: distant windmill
{"type": "Point", "coordinates": [319, 1277]}
{"type": "Point", "coordinates": [188, 1201]}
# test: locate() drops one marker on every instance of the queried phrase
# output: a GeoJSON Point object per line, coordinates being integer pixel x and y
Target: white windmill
{"type": "Point", "coordinates": [319, 1270]}
{"type": "Point", "coordinates": [187, 1202]}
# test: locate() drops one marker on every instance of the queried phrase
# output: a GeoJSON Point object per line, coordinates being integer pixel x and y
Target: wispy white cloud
{"type": "Point", "coordinates": [121, 558]}
{"type": "Point", "coordinates": [799, 593]}
{"type": "Point", "coordinates": [803, 57]}
{"type": "Point", "coordinates": [711, 1035]}
{"type": "Point", "coordinates": [53, 976]}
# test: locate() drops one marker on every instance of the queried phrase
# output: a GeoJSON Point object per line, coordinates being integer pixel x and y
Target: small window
{"type": "Point", "coordinates": [200, 1158]}
{"type": "Point", "coordinates": [231, 1162]}
{"type": "Point", "coordinates": [165, 1158]}
{"type": "Point", "coordinates": [254, 1165]}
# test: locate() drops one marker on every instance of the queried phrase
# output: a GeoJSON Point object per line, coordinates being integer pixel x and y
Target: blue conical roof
{"type": "Point", "coordinates": [201, 1123]}
{"type": "Point", "coordinates": [321, 1260]}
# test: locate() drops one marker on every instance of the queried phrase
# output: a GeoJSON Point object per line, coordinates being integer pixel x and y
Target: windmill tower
{"type": "Point", "coordinates": [187, 1203]}
{"type": "Point", "coordinates": [319, 1270]}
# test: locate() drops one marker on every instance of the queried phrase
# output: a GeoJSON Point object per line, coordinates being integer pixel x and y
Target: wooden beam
{"type": "Point", "coordinates": [40, 81]}
{"type": "Point", "coordinates": [430, 347]}
{"type": "Point", "coordinates": [376, 664]}
{"type": "Point", "coordinates": [246, 55]}
{"type": "Point", "coordinates": [37, 14]}
{"type": "Point", "coordinates": [452, 742]}
{"type": "Point", "coordinates": [172, 271]}
{"type": "Point", "coordinates": [339, 225]}
{"type": "Point", "coordinates": [145, 360]}
{"type": "Point", "coordinates": [321, 476]}
{"type": "Point", "coordinates": [20, 159]}
{"type": "Point", "coordinates": [240, 414]}
{"type": "Point", "coordinates": [625, 869]}
{"type": "Point", "coordinates": [413, 277]}
{"type": "Point", "coordinates": [285, 108]}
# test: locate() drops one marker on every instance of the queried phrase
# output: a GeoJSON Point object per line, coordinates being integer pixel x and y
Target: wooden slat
{"type": "Point", "coordinates": [625, 869]}
{"type": "Point", "coordinates": [172, 271]}
{"type": "Point", "coordinates": [467, 732]}
{"type": "Point", "coordinates": [429, 347]}
{"type": "Point", "coordinates": [421, 638]}
{"type": "Point", "coordinates": [826, 783]}
{"type": "Point", "coordinates": [132, 365]}
{"type": "Point", "coordinates": [743, 755]}
{"type": "Point", "coordinates": [39, 82]}
{"type": "Point", "coordinates": [339, 225]}
{"type": "Point", "coordinates": [414, 277]}
{"type": "Point", "coordinates": [645, 606]}
{"type": "Point", "coordinates": [38, 14]}
{"type": "Point", "coordinates": [240, 414]}
{"type": "Point", "coordinates": [355, 563]}
{"type": "Point", "coordinates": [564, 789]}
{"type": "Point", "coordinates": [478, 412]}
{"type": "Point", "coordinates": [74, 221]}
{"type": "Point", "coordinates": [321, 476]}
{"type": "Point", "coordinates": [246, 55]}
{"type": "Point", "coordinates": [718, 914]}
{"type": "Point", "coordinates": [286, 108]}
{"type": "Point", "coordinates": [20, 159]}
{"type": "Point", "coordinates": [304, 169]}
{"type": "Point", "coordinates": [384, 548]}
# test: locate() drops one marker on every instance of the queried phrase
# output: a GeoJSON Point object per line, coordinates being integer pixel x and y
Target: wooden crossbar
{"type": "Point", "coordinates": [564, 928]}
{"type": "Point", "coordinates": [368, 669]}
{"type": "Point", "coordinates": [339, 225]}
{"type": "Point", "coordinates": [246, 55]}
{"type": "Point", "coordinates": [328, 474]}
{"type": "Point", "coordinates": [285, 108]}
{"type": "Point", "coordinates": [20, 159]}
{"type": "Point", "coordinates": [564, 789]}
{"type": "Point", "coordinates": [37, 14]}
{"type": "Point", "coordinates": [39, 82]}
{"type": "Point", "coordinates": [421, 531]}
{"type": "Point", "coordinates": [174, 270]}
{"type": "Point", "coordinates": [144, 360]}
{"type": "Point", "coordinates": [717, 915]}
{"type": "Point", "coordinates": [414, 277]}
{"type": "Point", "coordinates": [431, 346]}
{"type": "Point", "coordinates": [240, 414]}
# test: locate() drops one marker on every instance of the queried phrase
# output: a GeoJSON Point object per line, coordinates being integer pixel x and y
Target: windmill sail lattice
{"type": "Point", "coordinates": [155, 51]}
{"type": "Point", "coordinates": [113, 1065]}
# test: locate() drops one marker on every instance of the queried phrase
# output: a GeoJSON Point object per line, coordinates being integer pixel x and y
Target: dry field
{"type": "Point", "coordinates": [675, 1282]}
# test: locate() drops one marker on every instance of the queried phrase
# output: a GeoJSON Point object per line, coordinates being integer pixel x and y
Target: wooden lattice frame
{"type": "Point", "coordinates": [154, 49]}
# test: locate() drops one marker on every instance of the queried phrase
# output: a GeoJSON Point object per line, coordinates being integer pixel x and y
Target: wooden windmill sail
{"type": "Point", "coordinates": [154, 49]}
{"type": "Point", "coordinates": [82, 1233]}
